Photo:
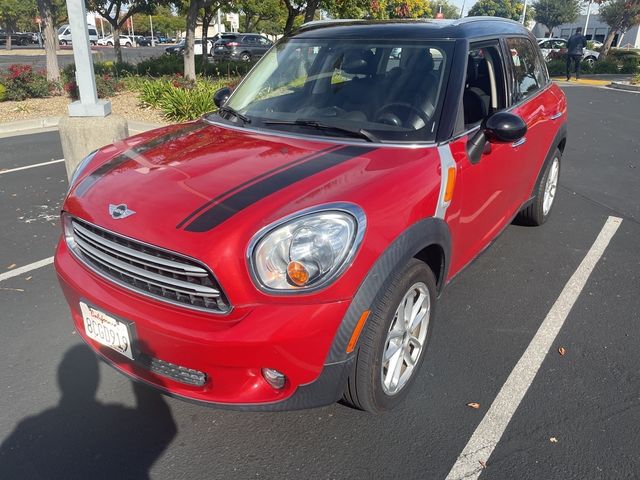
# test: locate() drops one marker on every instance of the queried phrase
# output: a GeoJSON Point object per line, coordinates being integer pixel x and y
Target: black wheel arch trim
{"type": "Point", "coordinates": [426, 232]}
{"type": "Point", "coordinates": [561, 136]}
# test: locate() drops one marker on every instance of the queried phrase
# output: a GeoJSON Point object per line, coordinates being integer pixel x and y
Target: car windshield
{"type": "Point", "coordinates": [391, 89]}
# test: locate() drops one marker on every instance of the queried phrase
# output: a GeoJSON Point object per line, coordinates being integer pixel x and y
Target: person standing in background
{"type": "Point", "coordinates": [575, 45]}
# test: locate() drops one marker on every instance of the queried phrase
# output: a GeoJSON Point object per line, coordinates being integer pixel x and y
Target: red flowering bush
{"type": "Point", "coordinates": [22, 82]}
{"type": "Point", "coordinates": [106, 85]}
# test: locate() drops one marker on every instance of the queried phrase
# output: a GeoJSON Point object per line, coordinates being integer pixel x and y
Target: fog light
{"type": "Point", "coordinates": [274, 378]}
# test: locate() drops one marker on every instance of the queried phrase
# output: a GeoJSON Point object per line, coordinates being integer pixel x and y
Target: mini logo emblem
{"type": "Point", "coordinates": [120, 211]}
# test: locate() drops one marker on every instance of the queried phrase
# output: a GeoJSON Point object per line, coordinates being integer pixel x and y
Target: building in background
{"type": "Point", "coordinates": [596, 30]}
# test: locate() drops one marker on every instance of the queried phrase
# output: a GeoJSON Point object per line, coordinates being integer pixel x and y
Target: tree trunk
{"type": "Point", "coordinates": [312, 6]}
{"type": "Point", "coordinates": [292, 13]}
{"type": "Point", "coordinates": [189, 56]}
{"type": "Point", "coordinates": [206, 21]}
{"type": "Point", "coordinates": [607, 43]}
{"type": "Point", "coordinates": [116, 42]}
{"type": "Point", "coordinates": [8, 32]}
{"type": "Point", "coordinates": [50, 40]}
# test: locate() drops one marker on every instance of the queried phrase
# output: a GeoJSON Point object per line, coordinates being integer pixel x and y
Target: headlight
{"type": "Point", "coordinates": [307, 250]}
{"type": "Point", "coordinates": [79, 168]}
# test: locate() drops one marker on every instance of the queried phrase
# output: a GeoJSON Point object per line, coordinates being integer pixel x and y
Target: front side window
{"type": "Point", "coordinates": [528, 76]}
{"type": "Point", "coordinates": [390, 89]}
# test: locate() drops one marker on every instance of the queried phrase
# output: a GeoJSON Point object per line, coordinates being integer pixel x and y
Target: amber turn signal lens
{"type": "Point", "coordinates": [451, 182]}
{"type": "Point", "coordinates": [298, 273]}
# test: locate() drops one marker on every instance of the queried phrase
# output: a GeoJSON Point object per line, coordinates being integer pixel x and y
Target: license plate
{"type": "Point", "coordinates": [106, 330]}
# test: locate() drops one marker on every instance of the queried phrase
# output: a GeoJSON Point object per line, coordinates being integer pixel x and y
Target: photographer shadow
{"type": "Point", "coordinates": [84, 438]}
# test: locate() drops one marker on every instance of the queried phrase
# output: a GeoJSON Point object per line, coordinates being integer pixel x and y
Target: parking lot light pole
{"type": "Point", "coordinates": [90, 124]}
{"type": "Point", "coordinates": [88, 105]}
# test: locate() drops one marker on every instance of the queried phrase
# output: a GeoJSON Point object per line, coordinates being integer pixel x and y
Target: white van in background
{"type": "Point", "coordinates": [64, 34]}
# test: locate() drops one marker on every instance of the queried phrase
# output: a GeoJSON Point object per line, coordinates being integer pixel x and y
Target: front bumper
{"type": "Point", "coordinates": [230, 349]}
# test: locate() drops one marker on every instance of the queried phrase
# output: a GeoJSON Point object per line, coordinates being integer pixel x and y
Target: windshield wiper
{"type": "Point", "coordinates": [361, 133]}
{"type": "Point", "coordinates": [235, 113]}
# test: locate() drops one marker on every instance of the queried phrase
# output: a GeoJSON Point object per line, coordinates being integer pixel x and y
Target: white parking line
{"type": "Point", "coordinates": [475, 454]}
{"type": "Point", "coordinates": [27, 268]}
{"type": "Point", "coordinates": [17, 169]}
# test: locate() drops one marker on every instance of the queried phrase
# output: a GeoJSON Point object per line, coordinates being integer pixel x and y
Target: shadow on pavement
{"type": "Point", "coordinates": [83, 438]}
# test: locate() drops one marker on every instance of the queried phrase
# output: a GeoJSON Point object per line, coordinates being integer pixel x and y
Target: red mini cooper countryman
{"type": "Point", "coordinates": [289, 250]}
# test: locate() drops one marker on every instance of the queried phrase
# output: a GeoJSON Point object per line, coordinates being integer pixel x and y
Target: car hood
{"type": "Point", "coordinates": [195, 176]}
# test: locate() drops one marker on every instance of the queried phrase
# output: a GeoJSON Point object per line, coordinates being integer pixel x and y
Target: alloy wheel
{"type": "Point", "coordinates": [406, 338]}
{"type": "Point", "coordinates": [551, 186]}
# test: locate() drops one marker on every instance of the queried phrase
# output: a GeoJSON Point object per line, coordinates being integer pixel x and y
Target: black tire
{"type": "Point", "coordinates": [245, 57]}
{"type": "Point", "coordinates": [364, 388]}
{"type": "Point", "coordinates": [534, 215]}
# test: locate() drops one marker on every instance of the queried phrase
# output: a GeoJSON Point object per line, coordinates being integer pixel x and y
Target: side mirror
{"type": "Point", "coordinates": [221, 96]}
{"type": "Point", "coordinates": [504, 127]}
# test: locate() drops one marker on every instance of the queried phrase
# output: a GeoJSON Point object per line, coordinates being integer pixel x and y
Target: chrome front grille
{"type": "Point", "coordinates": [147, 269]}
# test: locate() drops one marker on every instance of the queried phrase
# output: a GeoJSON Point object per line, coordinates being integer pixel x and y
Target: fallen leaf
{"type": "Point", "coordinates": [553, 440]}
{"type": "Point", "coordinates": [12, 289]}
{"type": "Point", "coordinates": [13, 265]}
{"type": "Point", "coordinates": [473, 405]}
{"type": "Point", "coordinates": [562, 351]}
{"type": "Point", "coordinates": [29, 278]}
{"type": "Point", "coordinates": [482, 464]}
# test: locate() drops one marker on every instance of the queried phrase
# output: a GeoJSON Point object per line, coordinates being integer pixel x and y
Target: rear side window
{"type": "Point", "coordinates": [92, 32]}
{"type": "Point", "coordinates": [528, 73]}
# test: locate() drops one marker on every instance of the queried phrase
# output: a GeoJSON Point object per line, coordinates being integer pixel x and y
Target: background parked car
{"type": "Point", "coordinates": [548, 45]}
{"type": "Point", "coordinates": [16, 38]}
{"type": "Point", "coordinates": [125, 41]}
{"type": "Point", "coordinates": [178, 49]}
{"type": "Point", "coordinates": [64, 34]}
{"type": "Point", "coordinates": [143, 41]}
{"type": "Point", "coordinates": [241, 46]}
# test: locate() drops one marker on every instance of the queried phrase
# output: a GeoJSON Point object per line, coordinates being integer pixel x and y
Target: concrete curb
{"type": "Point", "coordinates": [49, 124]}
{"type": "Point", "coordinates": [625, 86]}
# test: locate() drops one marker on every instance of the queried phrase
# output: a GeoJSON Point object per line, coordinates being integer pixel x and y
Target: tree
{"type": "Point", "coordinates": [117, 12]}
{"type": "Point", "coordinates": [497, 8]}
{"type": "Point", "coordinates": [620, 15]}
{"type": "Point", "coordinates": [255, 12]}
{"type": "Point", "coordinates": [448, 9]}
{"type": "Point", "coordinates": [552, 13]}
{"type": "Point", "coordinates": [47, 9]}
{"type": "Point", "coordinates": [164, 21]}
{"type": "Point", "coordinates": [13, 10]}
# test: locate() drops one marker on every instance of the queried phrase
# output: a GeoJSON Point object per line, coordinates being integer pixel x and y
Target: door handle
{"type": "Point", "coordinates": [517, 143]}
{"type": "Point", "coordinates": [556, 116]}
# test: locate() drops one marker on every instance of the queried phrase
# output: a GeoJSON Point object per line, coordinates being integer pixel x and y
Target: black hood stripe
{"type": "Point", "coordinates": [254, 180]}
{"type": "Point", "coordinates": [218, 213]}
{"type": "Point", "coordinates": [131, 153]}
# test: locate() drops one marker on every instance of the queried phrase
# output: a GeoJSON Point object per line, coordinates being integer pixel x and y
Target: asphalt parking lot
{"type": "Point", "coordinates": [106, 53]}
{"type": "Point", "coordinates": [63, 415]}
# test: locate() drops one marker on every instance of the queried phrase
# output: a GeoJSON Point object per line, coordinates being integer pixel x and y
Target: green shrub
{"type": "Point", "coordinates": [160, 66]}
{"type": "Point", "coordinates": [606, 66]}
{"type": "Point", "coordinates": [152, 91]}
{"type": "Point", "coordinates": [22, 82]}
{"type": "Point", "coordinates": [106, 86]}
{"type": "Point", "coordinates": [181, 100]}
{"type": "Point", "coordinates": [3, 91]}
{"type": "Point", "coordinates": [630, 65]}
{"type": "Point", "coordinates": [636, 80]}
{"type": "Point", "coordinates": [557, 67]}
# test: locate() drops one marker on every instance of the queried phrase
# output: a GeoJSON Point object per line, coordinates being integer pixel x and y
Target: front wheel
{"type": "Point", "coordinates": [393, 344]}
{"type": "Point", "coordinates": [245, 57]}
{"type": "Point", "coordinates": [538, 211]}
{"type": "Point", "coordinates": [590, 61]}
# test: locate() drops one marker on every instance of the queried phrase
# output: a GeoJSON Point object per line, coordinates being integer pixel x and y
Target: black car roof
{"type": "Point", "coordinates": [464, 28]}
